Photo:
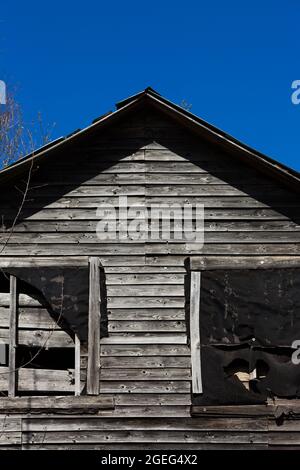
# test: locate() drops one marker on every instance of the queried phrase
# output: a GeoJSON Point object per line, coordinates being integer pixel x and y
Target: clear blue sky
{"type": "Point", "coordinates": [233, 61]}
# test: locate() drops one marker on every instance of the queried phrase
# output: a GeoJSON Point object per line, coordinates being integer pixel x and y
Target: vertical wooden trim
{"type": "Point", "coordinates": [195, 332]}
{"type": "Point", "coordinates": [77, 366]}
{"type": "Point", "coordinates": [12, 337]}
{"type": "Point", "coordinates": [93, 369]}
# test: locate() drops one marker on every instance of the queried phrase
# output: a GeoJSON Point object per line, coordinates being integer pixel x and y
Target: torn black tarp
{"type": "Point", "coordinates": [63, 291]}
{"type": "Point", "coordinates": [238, 305]}
{"type": "Point", "coordinates": [220, 385]}
{"type": "Point", "coordinates": [248, 322]}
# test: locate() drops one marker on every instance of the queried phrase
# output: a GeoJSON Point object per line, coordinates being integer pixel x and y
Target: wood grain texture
{"type": "Point", "coordinates": [62, 405]}
{"type": "Point", "coordinates": [77, 366]}
{"type": "Point", "coordinates": [93, 368]}
{"type": "Point", "coordinates": [253, 262]}
{"type": "Point", "coordinates": [195, 332]}
{"type": "Point", "coordinates": [13, 328]}
{"type": "Point", "coordinates": [40, 380]}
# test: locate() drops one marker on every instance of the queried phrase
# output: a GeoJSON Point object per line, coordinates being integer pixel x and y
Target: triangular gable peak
{"type": "Point", "coordinates": [150, 99]}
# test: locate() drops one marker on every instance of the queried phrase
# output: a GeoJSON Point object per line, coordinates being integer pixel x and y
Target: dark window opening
{"type": "Point", "coordinates": [37, 358]}
{"type": "Point", "coordinates": [42, 366]}
{"type": "Point", "coordinates": [249, 320]}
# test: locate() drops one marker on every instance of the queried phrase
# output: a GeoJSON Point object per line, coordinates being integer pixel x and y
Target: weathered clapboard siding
{"type": "Point", "coordinates": [40, 380]}
{"type": "Point", "coordinates": [145, 361]}
{"type": "Point", "coordinates": [35, 329]}
{"type": "Point", "coordinates": [35, 326]}
{"type": "Point", "coordinates": [39, 338]}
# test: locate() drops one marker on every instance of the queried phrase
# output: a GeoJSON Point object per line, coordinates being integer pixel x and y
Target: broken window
{"type": "Point", "coordinates": [249, 319]}
{"type": "Point", "coordinates": [51, 310]}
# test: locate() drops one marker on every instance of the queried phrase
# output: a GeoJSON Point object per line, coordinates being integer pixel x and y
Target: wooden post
{"type": "Point", "coordinates": [12, 337]}
{"type": "Point", "coordinates": [195, 331]}
{"type": "Point", "coordinates": [77, 366]}
{"type": "Point", "coordinates": [93, 369]}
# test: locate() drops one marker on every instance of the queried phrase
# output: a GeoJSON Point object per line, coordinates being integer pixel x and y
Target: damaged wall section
{"type": "Point", "coordinates": [249, 320]}
{"type": "Point", "coordinates": [65, 292]}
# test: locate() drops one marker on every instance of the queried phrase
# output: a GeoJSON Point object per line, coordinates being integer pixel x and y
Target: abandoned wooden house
{"type": "Point", "coordinates": [156, 341]}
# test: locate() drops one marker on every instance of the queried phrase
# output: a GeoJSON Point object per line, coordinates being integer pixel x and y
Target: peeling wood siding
{"type": "Point", "coordinates": [146, 359]}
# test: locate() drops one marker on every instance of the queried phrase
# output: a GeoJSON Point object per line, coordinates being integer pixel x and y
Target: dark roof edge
{"type": "Point", "coordinates": [225, 135]}
{"type": "Point", "coordinates": [244, 152]}
{"type": "Point", "coordinates": [64, 141]}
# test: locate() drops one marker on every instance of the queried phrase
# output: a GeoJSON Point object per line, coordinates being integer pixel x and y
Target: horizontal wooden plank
{"type": "Point", "coordinates": [29, 318]}
{"type": "Point", "coordinates": [290, 425]}
{"type": "Point", "coordinates": [64, 404]}
{"type": "Point", "coordinates": [226, 248]}
{"type": "Point", "coordinates": [144, 269]}
{"type": "Point", "coordinates": [117, 262]}
{"type": "Point", "coordinates": [60, 424]}
{"type": "Point", "coordinates": [137, 173]}
{"type": "Point", "coordinates": [24, 300]}
{"type": "Point", "coordinates": [152, 249]}
{"type": "Point", "coordinates": [153, 386]}
{"type": "Point", "coordinates": [55, 191]}
{"type": "Point", "coordinates": [248, 187]}
{"type": "Point", "coordinates": [154, 447]}
{"type": "Point", "coordinates": [145, 374]}
{"type": "Point", "coordinates": [145, 290]}
{"type": "Point", "coordinates": [85, 249]}
{"type": "Point", "coordinates": [10, 439]}
{"type": "Point", "coordinates": [43, 262]}
{"type": "Point", "coordinates": [146, 338]}
{"type": "Point", "coordinates": [285, 440]}
{"type": "Point", "coordinates": [160, 238]}
{"type": "Point", "coordinates": [119, 411]}
{"type": "Point", "coordinates": [40, 380]}
{"type": "Point", "coordinates": [151, 399]}
{"type": "Point", "coordinates": [142, 436]}
{"type": "Point", "coordinates": [146, 279]}
{"type": "Point", "coordinates": [233, 410]}
{"type": "Point", "coordinates": [149, 314]}
{"type": "Point", "coordinates": [136, 350]}
{"type": "Point", "coordinates": [135, 362]}
{"type": "Point", "coordinates": [39, 338]}
{"type": "Point", "coordinates": [110, 262]}
{"type": "Point", "coordinates": [251, 262]}
{"type": "Point", "coordinates": [226, 187]}
{"type": "Point", "coordinates": [93, 166]}
{"type": "Point", "coordinates": [9, 424]}
{"type": "Point", "coordinates": [145, 302]}
{"type": "Point", "coordinates": [146, 326]}
{"type": "Point", "coordinates": [218, 196]}
{"type": "Point", "coordinates": [149, 411]}
{"type": "Point", "coordinates": [213, 209]}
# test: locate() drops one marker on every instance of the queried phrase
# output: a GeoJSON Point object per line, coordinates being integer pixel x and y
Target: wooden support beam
{"type": "Point", "coordinates": [46, 261]}
{"type": "Point", "coordinates": [77, 366]}
{"type": "Point", "coordinates": [12, 337]}
{"type": "Point", "coordinates": [93, 369]}
{"type": "Point", "coordinates": [195, 332]}
{"type": "Point", "coordinates": [205, 263]}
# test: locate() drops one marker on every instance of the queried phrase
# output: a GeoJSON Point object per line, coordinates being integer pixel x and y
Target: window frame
{"type": "Point", "coordinates": [212, 263]}
{"type": "Point", "coordinates": [94, 319]}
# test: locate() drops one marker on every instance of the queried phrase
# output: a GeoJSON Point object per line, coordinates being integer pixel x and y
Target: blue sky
{"type": "Point", "coordinates": [233, 61]}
